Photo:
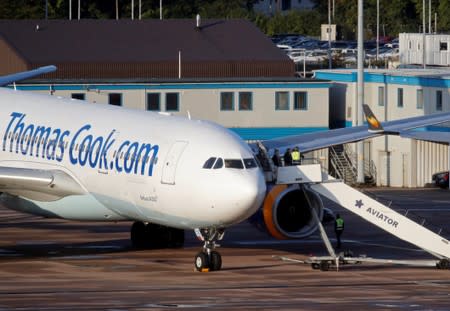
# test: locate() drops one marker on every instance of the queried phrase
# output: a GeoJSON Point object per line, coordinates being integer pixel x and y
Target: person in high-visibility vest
{"type": "Point", "coordinates": [338, 229]}
{"type": "Point", "coordinates": [295, 156]}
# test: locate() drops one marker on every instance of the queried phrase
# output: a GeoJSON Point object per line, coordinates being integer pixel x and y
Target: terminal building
{"type": "Point", "coordinates": [395, 94]}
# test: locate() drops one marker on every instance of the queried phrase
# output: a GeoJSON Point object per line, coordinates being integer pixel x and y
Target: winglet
{"type": "Point", "coordinates": [5, 80]}
{"type": "Point", "coordinates": [374, 124]}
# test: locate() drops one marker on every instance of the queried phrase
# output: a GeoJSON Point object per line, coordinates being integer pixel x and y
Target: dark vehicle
{"type": "Point", "coordinates": [440, 179]}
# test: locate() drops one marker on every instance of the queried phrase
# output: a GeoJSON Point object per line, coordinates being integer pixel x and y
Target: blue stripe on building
{"type": "Point", "coordinates": [385, 78]}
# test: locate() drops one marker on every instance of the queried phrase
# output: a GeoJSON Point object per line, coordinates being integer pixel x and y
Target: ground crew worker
{"type": "Point", "coordinates": [276, 159]}
{"type": "Point", "coordinates": [287, 157]}
{"type": "Point", "coordinates": [295, 156]}
{"type": "Point", "coordinates": [338, 229]}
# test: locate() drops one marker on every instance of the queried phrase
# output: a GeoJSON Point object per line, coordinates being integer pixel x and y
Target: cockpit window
{"type": "Point", "coordinates": [209, 163]}
{"type": "Point", "coordinates": [234, 163]}
{"type": "Point", "coordinates": [219, 164]}
{"type": "Point", "coordinates": [250, 163]}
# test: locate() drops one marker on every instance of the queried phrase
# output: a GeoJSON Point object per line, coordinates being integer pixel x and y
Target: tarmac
{"type": "Point", "coordinates": [52, 264]}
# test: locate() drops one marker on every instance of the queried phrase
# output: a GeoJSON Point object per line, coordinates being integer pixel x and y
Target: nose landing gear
{"type": "Point", "coordinates": [209, 259]}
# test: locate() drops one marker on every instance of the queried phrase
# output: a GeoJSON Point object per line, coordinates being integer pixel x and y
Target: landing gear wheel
{"type": "Point", "coordinates": [215, 261]}
{"type": "Point", "coordinates": [315, 266]}
{"type": "Point", "coordinates": [209, 258]}
{"type": "Point", "coordinates": [138, 234]}
{"type": "Point", "coordinates": [324, 265]}
{"type": "Point", "coordinates": [201, 261]}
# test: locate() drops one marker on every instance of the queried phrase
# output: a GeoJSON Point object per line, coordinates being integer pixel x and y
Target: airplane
{"type": "Point", "coordinates": [66, 159]}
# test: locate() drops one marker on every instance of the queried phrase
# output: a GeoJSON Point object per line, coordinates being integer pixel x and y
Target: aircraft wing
{"type": "Point", "coordinates": [5, 80]}
{"type": "Point", "coordinates": [374, 128]}
{"type": "Point", "coordinates": [40, 185]}
{"type": "Point", "coordinates": [437, 137]}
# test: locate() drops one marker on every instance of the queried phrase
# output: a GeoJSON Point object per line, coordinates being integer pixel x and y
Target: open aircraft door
{"type": "Point", "coordinates": [171, 162]}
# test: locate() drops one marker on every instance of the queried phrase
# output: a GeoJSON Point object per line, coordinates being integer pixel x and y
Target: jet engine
{"type": "Point", "coordinates": [286, 212]}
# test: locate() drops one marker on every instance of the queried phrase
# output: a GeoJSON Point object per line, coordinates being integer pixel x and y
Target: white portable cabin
{"type": "Point", "coordinates": [437, 49]}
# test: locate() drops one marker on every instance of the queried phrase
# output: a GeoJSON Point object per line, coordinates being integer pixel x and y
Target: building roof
{"type": "Point", "coordinates": [115, 48]}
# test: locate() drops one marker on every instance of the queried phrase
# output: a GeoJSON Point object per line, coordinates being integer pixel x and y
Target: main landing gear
{"type": "Point", "coordinates": [209, 259]}
{"type": "Point", "coordinates": [155, 236]}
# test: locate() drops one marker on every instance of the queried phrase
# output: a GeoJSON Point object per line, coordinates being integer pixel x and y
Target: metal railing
{"type": "Point", "coordinates": [344, 163]}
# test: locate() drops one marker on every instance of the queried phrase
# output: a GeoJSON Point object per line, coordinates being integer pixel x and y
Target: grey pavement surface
{"type": "Point", "coordinates": [48, 264]}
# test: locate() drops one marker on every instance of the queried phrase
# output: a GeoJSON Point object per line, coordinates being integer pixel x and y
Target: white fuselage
{"type": "Point", "coordinates": [133, 165]}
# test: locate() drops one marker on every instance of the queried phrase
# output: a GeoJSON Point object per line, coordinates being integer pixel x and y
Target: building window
{"type": "Point", "coordinates": [227, 101]}
{"type": "Point", "coordinates": [79, 96]}
{"type": "Point", "coordinates": [400, 97]}
{"type": "Point", "coordinates": [419, 99]}
{"type": "Point", "coordinates": [172, 102]}
{"type": "Point", "coordinates": [381, 96]}
{"type": "Point", "coordinates": [285, 5]}
{"type": "Point", "coordinates": [245, 101]}
{"type": "Point", "coordinates": [300, 101]}
{"type": "Point", "coordinates": [443, 46]}
{"type": "Point", "coordinates": [281, 100]}
{"type": "Point", "coordinates": [153, 101]}
{"type": "Point", "coordinates": [439, 100]}
{"type": "Point", "coordinates": [115, 99]}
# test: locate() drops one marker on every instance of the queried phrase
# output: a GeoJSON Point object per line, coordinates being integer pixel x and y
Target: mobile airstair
{"type": "Point", "coordinates": [311, 176]}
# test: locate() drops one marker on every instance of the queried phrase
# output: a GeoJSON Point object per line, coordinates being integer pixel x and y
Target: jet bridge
{"type": "Point", "coordinates": [369, 209]}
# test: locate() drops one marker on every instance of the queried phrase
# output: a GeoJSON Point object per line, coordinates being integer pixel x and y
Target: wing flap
{"type": "Point", "coordinates": [40, 185]}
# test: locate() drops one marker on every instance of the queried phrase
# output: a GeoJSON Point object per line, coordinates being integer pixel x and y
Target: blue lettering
{"type": "Point", "coordinates": [19, 126]}
{"type": "Point", "coordinates": [14, 115]}
{"type": "Point", "coordinates": [40, 137]}
{"type": "Point", "coordinates": [72, 156]}
{"type": "Point", "coordinates": [51, 147]}
{"type": "Point", "coordinates": [119, 154]}
{"type": "Point", "coordinates": [61, 145]}
{"type": "Point", "coordinates": [49, 143]}
{"type": "Point", "coordinates": [27, 135]}
{"type": "Point", "coordinates": [130, 158]}
{"type": "Point", "coordinates": [144, 154]}
{"type": "Point", "coordinates": [94, 151]}
{"type": "Point", "coordinates": [104, 151]}
{"type": "Point", "coordinates": [85, 145]}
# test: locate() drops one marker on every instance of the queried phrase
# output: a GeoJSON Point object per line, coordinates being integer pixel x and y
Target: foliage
{"type": "Point", "coordinates": [395, 15]}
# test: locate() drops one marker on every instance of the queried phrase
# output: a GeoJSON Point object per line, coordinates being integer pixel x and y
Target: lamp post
{"type": "Point", "coordinates": [132, 9]}
{"type": "Point", "coordinates": [423, 37]}
{"type": "Point", "coordinates": [378, 28]}
{"type": "Point", "coordinates": [360, 87]}
{"type": "Point", "coordinates": [429, 16]}
{"type": "Point", "coordinates": [329, 35]}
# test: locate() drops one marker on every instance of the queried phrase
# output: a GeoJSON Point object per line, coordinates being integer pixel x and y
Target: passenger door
{"type": "Point", "coordinates": [171, 162]}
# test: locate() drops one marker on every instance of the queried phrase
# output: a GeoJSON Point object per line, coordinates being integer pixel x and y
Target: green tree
{"type": "Point", "coordinates": [443, 16]}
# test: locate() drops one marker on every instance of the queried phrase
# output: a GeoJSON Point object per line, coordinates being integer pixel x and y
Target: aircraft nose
{"type": "Point", "coordinates": [248, 196]}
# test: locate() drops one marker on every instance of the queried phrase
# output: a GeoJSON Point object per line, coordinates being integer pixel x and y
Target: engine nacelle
{"type": "Point", "coordinates": [286, 213]}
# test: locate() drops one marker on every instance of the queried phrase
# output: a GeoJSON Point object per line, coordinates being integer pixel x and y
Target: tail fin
{"type": "Point", "coordinates": [374, 124]}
